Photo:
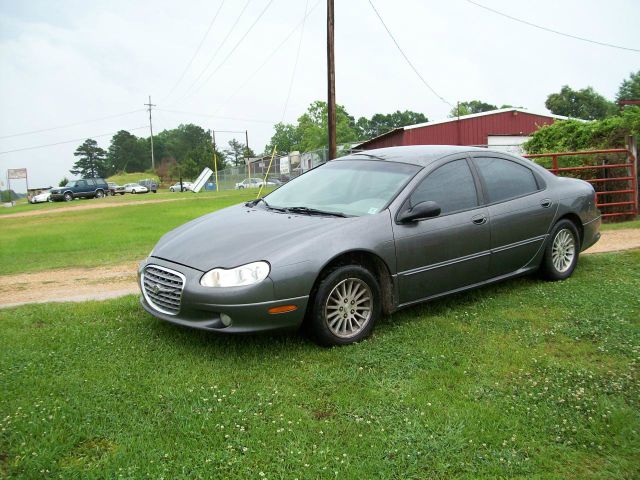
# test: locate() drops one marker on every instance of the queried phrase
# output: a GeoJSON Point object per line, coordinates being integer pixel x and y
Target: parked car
{"type": "Point", "coordinates": [42, 197]}
{"type": "Point", "coordinates": [253, 183]}
{"type": "Point", "coordinates": [83, 188]}
{"type": "Point", "coordinates": [114, 188]}
{"type": "Point", "coordinates": [150, 183]}
{"type": "Point", "coordinates": [186, 186]}
{"type": "Point", "coordinates": [365, 235]}
{"type": "Point", "coordinates": [135, 188]}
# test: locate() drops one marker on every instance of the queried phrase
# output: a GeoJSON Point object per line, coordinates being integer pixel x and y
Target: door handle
{"type": "Point", "coordinates": [479, 219]}
{"type": "Point", "coordinates": [545, 203]}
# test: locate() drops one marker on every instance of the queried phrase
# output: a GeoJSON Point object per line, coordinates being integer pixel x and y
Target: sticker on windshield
{"type": "Point", "coordinates": [372, 210]}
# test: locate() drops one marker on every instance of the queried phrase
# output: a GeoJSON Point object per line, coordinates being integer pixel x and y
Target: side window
{"type": "Point", "coordinates": [81, 183]}
{"type": "Point", "coordinates": [91, 182]}
{"type": "Point", "coordinates": [451, 186]}
{"type": "Point", "coordinates": [505, 179]}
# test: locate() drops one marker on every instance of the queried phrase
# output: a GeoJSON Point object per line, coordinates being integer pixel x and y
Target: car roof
{"type": "Point", "coordinates": [421, 155]}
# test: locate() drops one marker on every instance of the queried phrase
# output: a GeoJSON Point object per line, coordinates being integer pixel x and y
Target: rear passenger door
{"type": "Point", "coordinates": [520, 208]}
{"type": "Point", "coordinates": [81, 188]}
{"type": "Point", "coordinates": [450, 251]}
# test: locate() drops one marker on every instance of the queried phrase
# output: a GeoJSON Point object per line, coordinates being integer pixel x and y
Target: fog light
{"type": "Point", "coordinates": [226, 319]}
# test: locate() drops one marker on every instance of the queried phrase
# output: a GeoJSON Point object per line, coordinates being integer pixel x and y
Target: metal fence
{"type": "Point", "coordinates": [613, 174]}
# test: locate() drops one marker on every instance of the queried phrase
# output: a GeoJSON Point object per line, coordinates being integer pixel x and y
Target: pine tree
{"type": "Point", "coordinates": [92, 160]}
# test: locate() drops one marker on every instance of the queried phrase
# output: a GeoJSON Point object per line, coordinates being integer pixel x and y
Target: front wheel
{"type": "Point", "coordinates": [345, 307]}
{"type": "Point", "coordinates": [562, 251]}
{"type": "Point", "coordinates": [68, 197]}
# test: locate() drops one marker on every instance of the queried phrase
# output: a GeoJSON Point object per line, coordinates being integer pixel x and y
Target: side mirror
{"type": "Point", "coordinates": [419, 212]}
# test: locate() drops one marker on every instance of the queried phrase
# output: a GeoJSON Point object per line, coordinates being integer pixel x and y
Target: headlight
{"type": "Point", "coordinates": [236, 277]}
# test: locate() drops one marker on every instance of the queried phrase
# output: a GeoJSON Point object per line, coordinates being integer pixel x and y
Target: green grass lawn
{"type": "Point", "coordinates": [91, 237]}
{"type": "Point", "coordinates": [525, 379]}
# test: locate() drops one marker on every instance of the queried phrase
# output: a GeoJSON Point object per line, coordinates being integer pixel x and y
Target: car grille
{"type": "Point", "coordinates": [162, 288]}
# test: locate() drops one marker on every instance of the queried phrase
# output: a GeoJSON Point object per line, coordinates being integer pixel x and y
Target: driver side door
{"type": "Point", "coordinates": [449, 251]}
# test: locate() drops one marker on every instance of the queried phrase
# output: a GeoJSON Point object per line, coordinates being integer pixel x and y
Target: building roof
{"type": "Point", "coordinates": [421, 155]}
{"type": "Point", "coordinates": [464, 117]}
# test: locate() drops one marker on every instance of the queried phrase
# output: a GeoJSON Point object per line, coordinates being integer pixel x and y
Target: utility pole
{"type": "Point", "coordinates": [153, 160]}
{"type": "Point", "coordinates": [331, 77]}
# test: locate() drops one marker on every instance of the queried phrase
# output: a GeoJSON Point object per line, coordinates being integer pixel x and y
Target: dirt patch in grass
{"type": "Point", "coordinates": [617, 240]}
{"type": "Point", "coordinates": [68, 285]}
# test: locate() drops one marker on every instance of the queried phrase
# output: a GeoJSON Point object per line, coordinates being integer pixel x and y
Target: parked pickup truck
{"type": "Point", "coordinates": [84, 188]}
{"type": "Point", "coordinates": [115, 188]}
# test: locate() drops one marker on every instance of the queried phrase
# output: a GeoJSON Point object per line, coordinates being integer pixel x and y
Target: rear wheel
{"type": "Point", "coordinates": [562, 251]}
{"type": "Point", "coordinates": [99, 194]}
{"type": "Point", "coordinates": [345, 306]}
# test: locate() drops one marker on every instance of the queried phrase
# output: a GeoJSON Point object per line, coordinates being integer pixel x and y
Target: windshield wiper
{"type": "Point", "coordinates": [314, 211]}
{"type": "Point", "coordinates": [253, 203]}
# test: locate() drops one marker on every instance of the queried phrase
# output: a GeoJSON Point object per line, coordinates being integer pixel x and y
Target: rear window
{"type": "Point", "coordinates": [504, 179]}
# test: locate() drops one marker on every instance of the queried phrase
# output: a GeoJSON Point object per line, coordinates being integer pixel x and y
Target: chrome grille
{"type": "Point", "coordinates": [162, 288]}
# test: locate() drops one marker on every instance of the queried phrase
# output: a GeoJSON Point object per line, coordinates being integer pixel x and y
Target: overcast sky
{"type": "Point", "coordinates": [71, 61]}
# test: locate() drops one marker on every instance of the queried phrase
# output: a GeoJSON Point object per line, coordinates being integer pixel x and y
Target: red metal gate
{"type": "Point", "coordinates": [617, 194]}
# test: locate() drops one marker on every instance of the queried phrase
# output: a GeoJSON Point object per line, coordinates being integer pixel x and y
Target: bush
{"type": "Point", "coordinates": [574, 135]}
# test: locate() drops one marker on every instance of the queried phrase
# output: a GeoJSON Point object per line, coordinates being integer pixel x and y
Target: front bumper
{"type": "Point", "coordinates": [202, 307]}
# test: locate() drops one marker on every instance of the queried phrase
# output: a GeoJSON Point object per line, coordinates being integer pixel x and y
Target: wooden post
{"type": "Point", "coordinates": [331, 78]}
{"type": "Point", "coordinates": [632, 147]}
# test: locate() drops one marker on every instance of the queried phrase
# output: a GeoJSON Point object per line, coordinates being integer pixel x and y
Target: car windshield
{"type": "Point", "coordinates": [349, 187]}
{"type": "Point", "coordinates": [71, 184]}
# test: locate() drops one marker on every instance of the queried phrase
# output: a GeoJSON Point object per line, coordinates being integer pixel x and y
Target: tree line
{"type": "Point", "coordinates": [187, 149]}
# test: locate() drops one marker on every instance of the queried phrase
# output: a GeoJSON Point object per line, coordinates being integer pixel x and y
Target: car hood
{"type": "Point", "coordinates": [238, 235]}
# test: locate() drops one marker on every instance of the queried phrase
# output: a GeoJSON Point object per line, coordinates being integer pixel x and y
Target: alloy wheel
{"type": "Point", "coordinates": [348, 308]}
{"type": "Point", "coordinates": [563, 250]}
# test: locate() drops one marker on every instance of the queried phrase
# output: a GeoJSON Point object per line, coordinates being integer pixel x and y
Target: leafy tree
{"type": "Point", "coordinates": [286, 138]}
{"type": "Point", "coordinates": [471, 106]}
{"type": "Point", "coordinates": [573, 135]}
{"type": "Point", "coordinates": [381, 123]}
{"type": "Point", "coordinates": [92, 160]}
{"type": "Point", "coordinates": [128, 153]}
{"type": "Point", "coordinates": [586, 104]}
{"type": "Point", "coordinates": [311, 132]}
{"type": "Point", "coordinates": [630, 88]}
{"type": "Point", "coordinates": [63, 182]}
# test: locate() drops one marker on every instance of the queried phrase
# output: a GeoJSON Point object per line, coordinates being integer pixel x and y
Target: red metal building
{"type": "Point", "coordinates": [472, 129]}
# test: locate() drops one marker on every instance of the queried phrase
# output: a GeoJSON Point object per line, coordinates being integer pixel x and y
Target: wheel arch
{"type": "Point", "coordinates": [575, 219]}
{"type": "Point", "coordinates": [372, 262]}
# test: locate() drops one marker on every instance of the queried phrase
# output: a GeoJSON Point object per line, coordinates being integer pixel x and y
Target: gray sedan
{"type": "Point", "coordinates": [364, 235]}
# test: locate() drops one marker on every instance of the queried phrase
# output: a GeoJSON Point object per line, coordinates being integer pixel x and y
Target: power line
{"type": "Point", "coordinates": [546, 29]}
{"type": "Point", "coordinates": [268, 57]}
{"type": "Point", "coordinates": [196, 114]}
{"type": "Point", "coordinates": [71, 124]}
{"type": "Point", "coordinates": [295, 65]}
{"type": "Point", "coordinates": [221, 64]}
{"type": "Point", "coordinates": [215, 54]}
{"type": "Point", "coordinates": [70, 141]}
{"type": "Point", "coordinates": [204, 37]}
{"type": "Point", "coordinates": [407, 58]}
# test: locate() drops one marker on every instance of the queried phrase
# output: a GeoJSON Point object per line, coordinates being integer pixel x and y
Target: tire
{"type": "Point", "coordinates": [171, 189]}
{"type": "Point", "coordinates": [68, 197]}
{"type": "Point", "coordinates": [133, 192]}
{"type": "Point", "coordinates": [99, 194]}
{"type": "Point", "coordinates": [339, 289]}
{"type": "Point", "coordinates": [562, 251]}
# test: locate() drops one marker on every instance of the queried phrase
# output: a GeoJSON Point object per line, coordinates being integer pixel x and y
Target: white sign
{"type": "Point", "coordinates": [202, 179]}
{"type": "Point", "coordinates": [285, 165]}
{"type": "Point", "coordinates": [17, 173]}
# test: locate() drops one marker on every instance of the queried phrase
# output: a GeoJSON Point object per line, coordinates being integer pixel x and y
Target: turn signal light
{"type": "Point", "coordinates": [282, 309]}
